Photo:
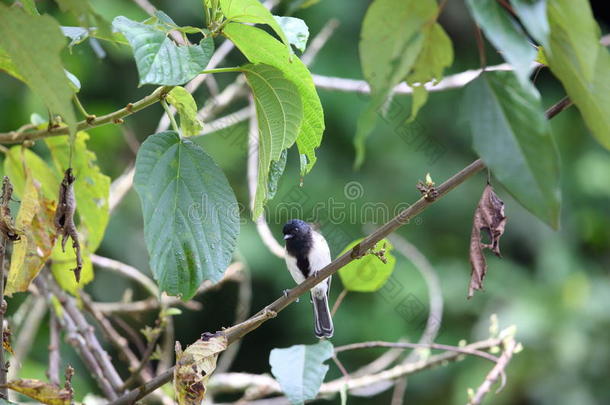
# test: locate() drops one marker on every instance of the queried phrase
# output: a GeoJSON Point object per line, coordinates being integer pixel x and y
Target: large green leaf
{"type": "Point", "coordinates": [369, 273]}
{"type": "Point", "coordinates": [435, 55]}
{"type": "Point", "coordinates": [300, 369]}
{"type": "Point", "coordinates": [34, 44]}
{"type": "Point", "coordinates": [512, 136]}
{"type": "Point", "coordinates": [91, 188]}
{"type": "Point", "coordinates": [186, 106]}
{"type": "Point", "coordinates": [582, 65]}
{"type": "Point", "coordinates": [252, 11]}
{"type": "Point", "coordinates": [158, 58]}
{"type": "Point", "coordinates": [505, 34]}
{"type": "Point", "coordinates": [260, 47]}
{"type": "Point", "coordinates": [391, 38]}
{"type": "Point", "coordinates": [8, 66]}
{"type": "Point", "coordinates": [279, 112]}
{"type": "Point", "coordinates": [63, 263]}
{"type": "Point", "coordinates": [191, 220]}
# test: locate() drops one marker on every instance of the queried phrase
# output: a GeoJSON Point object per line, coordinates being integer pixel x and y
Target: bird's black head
{"type": "Point", "coordinates": [296, 230]}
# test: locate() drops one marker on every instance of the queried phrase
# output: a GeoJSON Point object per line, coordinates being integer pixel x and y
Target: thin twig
{"type": "Point", "coordinates": [54, 350]}
{"type": "Point", "coordinates": [398, 395]}
{"type": "Point", "coordinates": [127, 271]}
{"type": "Point", "coordinates": [339, 300]}
{"type": "Point", "coordinates": [27, 335]}
{"type": "Point", "coordinates": [5, 198]}
{"type": "Point", "coordinates": [495, 372]}
{"type": "Point", "coordinates": [113, 117]}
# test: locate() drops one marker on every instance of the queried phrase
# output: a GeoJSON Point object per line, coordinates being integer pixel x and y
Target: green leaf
{"type": "Point", "coordinates": [532, 14]}
{"type": "Point", "coordinates": [300, 369]}
{"type": "Point", "coordinates": [260, 47]}
{"type": "Point", "coordinates": [296, 31]}
{"type": "Point", "coordinates": [16, 159]}
{"type": "Point", "coordinates": [30, 7]}
{"type": "Point", "coordinates": [369, 273]}
{"type": "Point", "coordinates": [513, 137]}
{"type": "Point", "coordinates": [186, 106]}
{"type": "Point", "coordinates": [581, 63]}
{"type": "Point", "coordinates": [38, 61]}
{"type": "Point", "coordinates": [74, 82]}
{"type": "Point", "coordinates": [158, 58]}
{"type": "Point", "coordinates": [505, 34]}
{"type": "Point", "coordinates": [252, 11]}
{"type": "Point", "coordinates": [435, 55]}
{"type": "Point", "coordinates": [8, 66]}
{"type": "Point", "coordinates": [76, 34]}
{"type": "Point", "coordinates": [62, 264]}
{"type": "Point", "coordinates": [91, 189]}
{"type": "Point", "coordinates": [36, 220]}
{"type": "Point", "coordinates": [280, 113]}
{"type": "Point", "coordinates": [191, 221]}
{"type": "Point", "coordinates": [391, 38]}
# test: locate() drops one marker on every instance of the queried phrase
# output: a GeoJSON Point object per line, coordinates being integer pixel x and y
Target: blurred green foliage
{"type": "Point", "coordinates": [553, 285]}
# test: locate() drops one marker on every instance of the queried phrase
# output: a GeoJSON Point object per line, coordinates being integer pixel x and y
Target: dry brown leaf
{"type": "Point", "coordinates": [7, 229]}
{"type": "Point", "coordinates": [41, 391]}
{"type": "Point", "coordinates": [64, 219]}
{"type": "Point", "coordinates": [488, 217]}
{"type": "Point", "coordinates": [194, 367]}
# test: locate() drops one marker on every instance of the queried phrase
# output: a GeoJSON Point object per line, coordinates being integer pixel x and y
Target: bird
{"type": "Point", "coordinates": [307, 253]}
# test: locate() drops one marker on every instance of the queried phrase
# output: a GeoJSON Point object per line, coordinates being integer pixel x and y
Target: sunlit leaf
{"type": "Point", "coordinates": [279, 112]}
{"type": "Point", "coordinates": [300, 369]}
{"type": "Point", "coordinates": [260, 47]}
{"type": "Point", "coordinates": [252, 11]}
{"type": "Point", "coordinates": [368, 273]}
{"type": "Point", "coordinates": [62, 264]}
{"type": "Point", "coordinates": [191, 220]}
{"type": "Point", "coordinates": [513, 137]}
{"type": "Point", "coordinates": [159, 59]}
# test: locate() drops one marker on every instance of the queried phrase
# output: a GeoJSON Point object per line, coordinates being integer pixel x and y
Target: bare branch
{"type": "Point", "coordinates": [495, 372]}
{"type": "Point", "coordinates": [127, 271]}
{"type": "Point", "coordinates": [54, 353]}
{"type": "Point", "coordinates": [318, 42]}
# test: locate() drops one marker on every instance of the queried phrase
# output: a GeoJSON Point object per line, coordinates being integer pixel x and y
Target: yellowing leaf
{"type": "Point", "coordinates": [62, 265]}
{"type": "Point", "coordinates": [185, 104]}
{"type": "Point", "coordinates": [194, 367]}
{"type": "Point", "coordinates": [42, 392]}
{"type": "Point", "coordinates": [35, 219]}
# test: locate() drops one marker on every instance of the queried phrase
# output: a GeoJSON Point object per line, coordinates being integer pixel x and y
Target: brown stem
{"type": "Point", "coordinates": [3, 367]}
{"type": "Point", "coordinates": [54, 354]}
{"type": "Point", "coordinates": [152, 98]}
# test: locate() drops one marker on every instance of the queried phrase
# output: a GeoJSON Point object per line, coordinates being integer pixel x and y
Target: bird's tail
{"type": "Point", "coordinates": [323, 322]}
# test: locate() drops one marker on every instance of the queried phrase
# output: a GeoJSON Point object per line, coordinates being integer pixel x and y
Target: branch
{"type": "Point", "coordinates": [360, 86]}
{"type": "Point", "coordinates": [127, 271]}
{"type": "Point", "coordinates": [240, 382]}
{"type": "Point", "coordinates": [495, 372]}
{"type": "Point", "coordinates": [114, 117]}
{"type": "Point", "coordinates": [54, 353]}
{"type": "Point", "coordinates": [236, 332]}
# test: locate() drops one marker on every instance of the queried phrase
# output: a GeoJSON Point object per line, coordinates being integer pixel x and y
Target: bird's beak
{"type": "Point", "coordinates": [287, 236]}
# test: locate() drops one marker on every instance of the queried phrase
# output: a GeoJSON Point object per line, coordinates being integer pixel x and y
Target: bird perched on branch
{"type": "Point", "coordinates": [306, 253]}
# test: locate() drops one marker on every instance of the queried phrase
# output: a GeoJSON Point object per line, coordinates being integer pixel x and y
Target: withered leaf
{"type": "Point", "coordinates": [194, 367]}
{"type": "Point", "coordinates": [64, 218]}
{"type": "Point", "coordinates": [489, 217]}
{"type": "Point", "coordinates": [41, 391]}
{"type": "Point", "coordinates": [7, 229]}
{"type": "Point", "coordinates": [35, 218]}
